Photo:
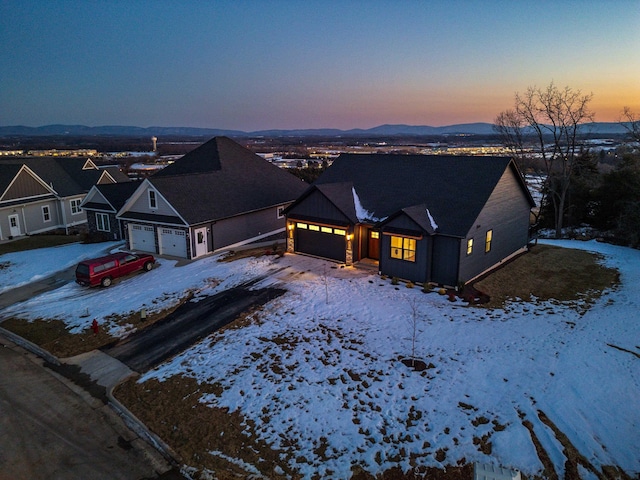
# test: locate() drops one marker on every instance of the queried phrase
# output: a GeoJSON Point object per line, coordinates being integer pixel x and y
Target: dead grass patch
{"type": "Point", "coordinates": [173, 411]}
{"type": "Point", "coordinates": [548, 272]}
{"type": "Point", "coordinates": [37, 241]}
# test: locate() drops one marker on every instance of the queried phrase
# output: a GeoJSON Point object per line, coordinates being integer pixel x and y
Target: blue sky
{"type": "Point", "coordinates": [253, 65]}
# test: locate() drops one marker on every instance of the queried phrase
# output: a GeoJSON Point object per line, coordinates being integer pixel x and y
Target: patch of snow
{"type": "Point", "coordinates": [362, 213]}
{"type": "Point", "coordinates": [434, 225]}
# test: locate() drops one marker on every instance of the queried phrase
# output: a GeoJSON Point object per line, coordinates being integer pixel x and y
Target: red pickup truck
{"type": "Point", "coordinates": [102, 271]}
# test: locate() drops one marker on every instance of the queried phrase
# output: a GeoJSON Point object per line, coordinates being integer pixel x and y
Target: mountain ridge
{"type": "Point", "coordinates": [477, 128]}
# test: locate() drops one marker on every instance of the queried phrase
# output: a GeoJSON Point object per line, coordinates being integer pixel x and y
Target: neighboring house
{"type": "Point", "coordinates": [220, 195]}
{"type": "Point", "coordinates": [44, 194]}
{"type": "Point", "coordinates": [438, 219]}
{"type": "Point", "coordinates": [101, 205]}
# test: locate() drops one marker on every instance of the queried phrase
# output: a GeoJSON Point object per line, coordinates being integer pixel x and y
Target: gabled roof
{"type": "Point", "coordinates": [67, 176]}
{"type": "Point", "coordinates": [453, 188]}
{"type": "Point", "coordinates": [221, 179]}
{"type": "Point", "coordinates": [35, 186]}
{"type": "Point", "coordinates": [109, 196]}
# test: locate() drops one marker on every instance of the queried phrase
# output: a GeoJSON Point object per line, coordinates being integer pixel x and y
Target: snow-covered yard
{"type": "Point", "coordinates": [319, 367]}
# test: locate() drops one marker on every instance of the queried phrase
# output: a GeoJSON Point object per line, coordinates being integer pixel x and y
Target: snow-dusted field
{"type": "Point", "coordinates": [320, 365]}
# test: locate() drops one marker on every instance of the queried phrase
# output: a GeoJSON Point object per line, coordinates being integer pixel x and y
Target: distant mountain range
{"type": "Point", "coordinates": [601, 128]}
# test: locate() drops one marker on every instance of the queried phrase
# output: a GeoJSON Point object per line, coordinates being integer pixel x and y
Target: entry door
{"type": "Point", "coordinates": [14, 225]}
{"type": "Point", "coordinates": [374, 245]}
{"type": "Point", "coordinates": [201, 242]}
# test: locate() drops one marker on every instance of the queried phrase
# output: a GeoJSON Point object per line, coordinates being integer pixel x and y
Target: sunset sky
{"type": "Point", "coordinates": [252, 65]}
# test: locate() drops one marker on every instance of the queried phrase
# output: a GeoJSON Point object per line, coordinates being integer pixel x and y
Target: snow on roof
{"type": "Point", "coordinates": [434, 225]}
{"type": "Point", "coordinates": [362, 213]}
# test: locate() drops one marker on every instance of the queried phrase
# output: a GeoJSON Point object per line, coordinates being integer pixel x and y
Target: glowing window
{"type": "Point", "coordinates": [338, 231]}
{"type": "Point", "coordinates": [315, 228]}
{"type": "Point", "coordinates": [470, 246]}
{"type": "Point", "coordinates": [302, 225]}
{"type": "Point", "coordinates": [403, 248]}
{"type": "Point", "coordinates": [487, 241]}
{"type": "Point", "coordinates": [375, 234]}
{"type": "Point", "coordinates": [326, 230]}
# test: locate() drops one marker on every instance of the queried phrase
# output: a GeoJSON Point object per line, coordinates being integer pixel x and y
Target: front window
{"type": "Point", "coordinates": [153, 202]}
{"type": "Point", "coordinates": [403, 248]}
{"type": "Point", "coordinates": [46, 214]}
{"type": "Point", "coordinates": [487, 241]}
{"type": "Point", "coordinates": [102, 222]}
{"type": "Point", "coordinates": [75, 206]}
{"type": "Point", "coordinates": [470, 246]}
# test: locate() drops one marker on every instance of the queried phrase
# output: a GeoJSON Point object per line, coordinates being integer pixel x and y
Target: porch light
{"type": "Point", "coordinates": [290, 226]}
{"type": "Point", "coordinates": [349, 237]}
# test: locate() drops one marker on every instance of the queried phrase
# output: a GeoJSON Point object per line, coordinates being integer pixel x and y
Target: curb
{"type": "Point", "coordinates": [129, 419]}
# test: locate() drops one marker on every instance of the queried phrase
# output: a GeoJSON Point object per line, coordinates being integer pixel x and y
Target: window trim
{"type": "Point", "coordinates": [403, 252]}
{"type": "Point", "coordinates": [153, 199]}
{"type": "Point", "coordinates": [74, 204]}
{"type": "Point", "coordinates": [104, 217]}
{"type": "Point", "coordinates": [488, 239]}
{"type": "Point", "coordinates": [280, 211]}
{"type": "Point", "coordinates": [46, 213]}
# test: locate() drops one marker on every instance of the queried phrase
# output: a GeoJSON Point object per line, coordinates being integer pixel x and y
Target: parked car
{"type": "Point", "coordinates": [102, 271]}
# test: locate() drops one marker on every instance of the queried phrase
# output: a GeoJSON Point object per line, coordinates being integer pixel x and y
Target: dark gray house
{"type": "Point", "coordinates": [218, 196]}
{"type": "Point", "coordinates": [439, 219]}
{"type": "Point", "coordinates": [101, 205]}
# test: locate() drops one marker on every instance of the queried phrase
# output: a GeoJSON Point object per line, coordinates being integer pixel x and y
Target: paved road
{"type": "Point", "coordinates": [189, 323]}
{"type": "Point", "coordinates": [51, 431]}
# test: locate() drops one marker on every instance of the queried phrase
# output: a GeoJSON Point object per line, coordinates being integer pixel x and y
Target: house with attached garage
{"type": "Point", "coordinates": [44, 194]}
{"type": "Point", "coordinates": [218, 196]}
{"type": "Point", "coordinates": [424, 218]}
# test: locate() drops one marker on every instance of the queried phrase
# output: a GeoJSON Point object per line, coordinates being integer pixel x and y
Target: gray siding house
{"type": "Point", "coordinates": [218, 196]}
{"type": "Point", "coordinates": [40, 195]}
{"type": "Point", "coordinates": [438, 219]}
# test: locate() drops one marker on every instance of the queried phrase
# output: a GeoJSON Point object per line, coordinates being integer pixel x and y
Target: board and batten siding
{"type": "Point", "coordinates": [418, 271]}
{"type": "Point", "coordinates": [230, 231]}
{"type": "Point", "coordinates": [25, 187]}
{"type": "Point", "coordinates": [445, 257]}
{"type": "Point", "coordinates": [506, 213]}
{"type": "Point", "coordinates": [316, 207]}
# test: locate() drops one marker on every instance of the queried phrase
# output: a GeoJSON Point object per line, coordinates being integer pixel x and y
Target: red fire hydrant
{"type": "Point", "coordinates": [95, 327]}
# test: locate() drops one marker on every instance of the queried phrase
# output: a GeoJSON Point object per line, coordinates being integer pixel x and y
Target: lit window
{"type": "Point", "coordinates": [75, 206]}
{"type": "Point", "coordinates": [153, 202]}
{"type": "Point", "coordinates": [403, 248]}
{"type": "Point", "coordinates": [338, 231]}
{"type": "Point", "coordinates": [326, 230]}
{"type": "Point", "coordinates": [375, 234]}
{"type": "Point", "coordinates": [470, 246]}
{"type": "Point", "coordinates": [487, 241]}
{"type": "Point", "coordinates": [302, 225]}
{"type": "Point", "coordinates": [46, 214]}
{"type": "Point", "coordinates": [315, 228]}
{"type": "Point", "coordinates": [102, 222]}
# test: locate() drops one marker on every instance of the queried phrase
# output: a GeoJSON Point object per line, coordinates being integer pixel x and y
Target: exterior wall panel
{"type": "Point", "coordinates": [506, 213]}
{"type": "Point", "coordinates": [317, 207]}
{"type": "Point", "coordinates": [243, 227]}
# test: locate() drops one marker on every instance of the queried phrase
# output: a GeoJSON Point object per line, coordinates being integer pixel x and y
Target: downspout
{"type": "Point", "coordinates": [24, 220]}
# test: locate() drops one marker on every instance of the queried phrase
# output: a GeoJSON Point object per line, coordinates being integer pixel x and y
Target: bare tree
{"type": "Point", "coordinates": [552, 117]}
{"type": "Point", "coordinates": [631, 122]}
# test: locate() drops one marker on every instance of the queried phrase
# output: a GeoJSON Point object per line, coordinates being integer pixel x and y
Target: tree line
{"type": "Point", "coordinates": [544, 134]}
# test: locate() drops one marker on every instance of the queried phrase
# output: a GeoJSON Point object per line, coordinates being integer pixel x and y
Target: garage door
{"type": "Point", "coordinates": [321, 241]}
{"type": "Point", "coordinates": [173, 242]}
{"type": "Point", "coordinates": [142, 238]}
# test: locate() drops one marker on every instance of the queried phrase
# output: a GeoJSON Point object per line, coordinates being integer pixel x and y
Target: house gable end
{"type": "Point", "coordinates": [26, 185]}
{"type": "Point", "coordinates": [316, 206]}
{"type": "Point", "coordinates": [105, 178]}
{"type": "Point", "coordinates": [138, 206]}
{"type": "Point", "coordinates": [89, 165]}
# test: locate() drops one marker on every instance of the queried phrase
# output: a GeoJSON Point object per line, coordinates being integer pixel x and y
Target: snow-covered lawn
{"type": "Point", "coordinates": [326, 375]}
{"type": "Point", "coordinates": [20, 268]}
{"type": "Point", "coordinates": [320, 366]}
